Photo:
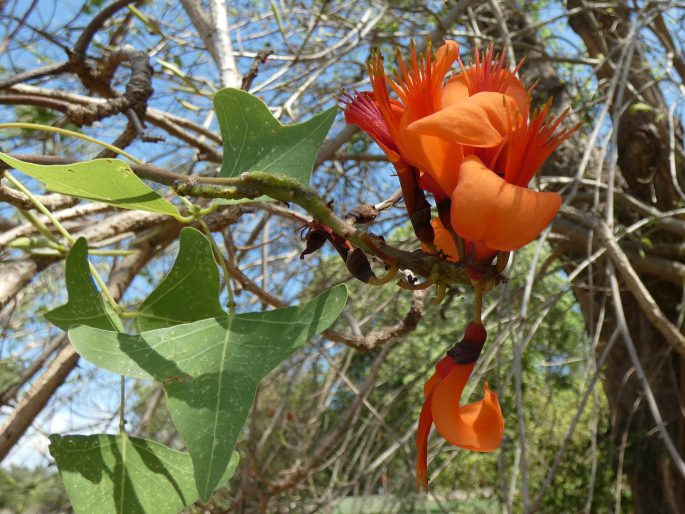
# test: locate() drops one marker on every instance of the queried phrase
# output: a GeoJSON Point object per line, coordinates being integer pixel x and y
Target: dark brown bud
{"type": "Point", "coordinates": [468, 349]}
{"type": "Point", "coordinates": [315, 239]}
{"type": "Point", "coordinates": [421, 222]}
{"type": "Point", "coordinates": [358, 264]}
{"type": "Point", "coordinates": [362, 214]}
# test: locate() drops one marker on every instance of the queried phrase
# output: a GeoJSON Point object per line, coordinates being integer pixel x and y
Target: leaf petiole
{"type": "Point", "coordinates": [65, 132]}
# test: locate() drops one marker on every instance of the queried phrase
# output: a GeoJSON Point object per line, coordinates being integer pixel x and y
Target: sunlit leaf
{"type": "Point", "coordinates": [190, 292]}
{"type": "Point", "coordinates": [210, 369]}
{"type": "Point", "coordinates": [119, 474]}
{"type": "Point", "coordinates": [109, 181]}
{"type": "Point", "coordinates": [85, 305]}
{"type": "Point", "coordinates": [256, 141]}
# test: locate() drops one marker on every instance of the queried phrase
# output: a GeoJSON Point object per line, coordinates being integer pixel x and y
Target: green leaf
{"type": "Point", "coordinates": [110, 181]}
{"type": "Point", "coordinates": [210, 369]}
{"type": "Point", "coordinates": [85, 305]}
{"type": "Point", "coordinates": [125, 475]}
{"type": "Point", "coordinates": [256, 141]}
{"type": "Point", "coordinates": [190, 292]}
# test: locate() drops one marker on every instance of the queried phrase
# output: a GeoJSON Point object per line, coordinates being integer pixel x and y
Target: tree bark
{"type": "Point", "coordinates": [643, 161]}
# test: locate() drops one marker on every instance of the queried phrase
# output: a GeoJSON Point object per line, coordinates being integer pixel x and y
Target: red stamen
{"type": "Point", "coordinates": [361, 110]}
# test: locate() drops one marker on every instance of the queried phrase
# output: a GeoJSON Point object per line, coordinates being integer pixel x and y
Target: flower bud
{"type": "Point", "coordinates": [358, 264]}
{"type": "Point", "coordinates": [468, 349]}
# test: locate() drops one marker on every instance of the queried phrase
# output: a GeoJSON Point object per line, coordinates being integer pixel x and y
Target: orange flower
{"type": "Point", "coordinates": [481, 119]}
{"type": "Point", "coordinates": [474, 112]}
{"type": "Point", "coordinates": [478, 426]}
{"type": "Point", "coordinates": [473, 143]}
{"type": "Point", "coordinates": [491, 203]}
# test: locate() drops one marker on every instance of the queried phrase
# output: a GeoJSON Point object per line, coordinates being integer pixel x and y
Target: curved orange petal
{"type": "Point", "coordinates": [505, 217]}
{"type": "Point", "coordinates": [432, 155]}
{"type": "Point", "coordinates": [482, 120]}
{"type": "Point", "coordinates": [426, 421]}
{"type": "Point", "coordinates": [478, 426]}
{"type": "Point", "coordinates": [422, 433]}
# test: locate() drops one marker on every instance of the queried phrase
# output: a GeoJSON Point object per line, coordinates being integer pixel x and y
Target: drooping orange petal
{"type": "Point", "coordinates": [482, 120]}
{"type": "Point", "coordinates": [478, 426]}
{"type": "Point", "coordinates": [426, 421]}
{"type": "Point", "coordinates": [422, 433]}
{"type": "Point", "coordinates": [505, 217]}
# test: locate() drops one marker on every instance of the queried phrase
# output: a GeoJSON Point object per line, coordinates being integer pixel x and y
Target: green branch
{"type": "Point", "coordinates": [286, 189]}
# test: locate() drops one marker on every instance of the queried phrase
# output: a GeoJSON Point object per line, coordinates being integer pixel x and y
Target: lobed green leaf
{"type": "Point", "coordinates": [210, 369]}
{"type": "Point", "coordinates": [119, 474]}
{"type": "Point", "coordinates": [85, 305]}
{"type": "Point", "coordinates": [109, 181]}
{"type": "Point", "coordinates": [256, 141]}
{"type": "Point", "coordinates": [190, 292]}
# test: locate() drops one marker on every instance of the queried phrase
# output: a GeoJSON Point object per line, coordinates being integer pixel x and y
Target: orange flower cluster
{"type": "Point", "coordinates": [472, 142]}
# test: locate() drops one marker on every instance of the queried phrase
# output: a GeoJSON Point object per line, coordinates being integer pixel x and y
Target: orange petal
{"type": "Point", "coordinates": [443, 241]}
{"type": "Point", "coordinates": [432, 155]}
{"type": "Point", "coordinates": [519, 93]}
{"type": "Point", "coordinates": [482, 120]}
{"type": "Point", "coordinates": [505, 217]}
{"type": "Point", "coordinates": [478, 426]}
{"type": "Point", "coordinates": [422, 432]}
{"type": "Point", "coordinates": [456, 90]}
{"type": "Point", "coordinates": [426, 421]}
{"type": "Point", "coordinates": [444, 58]}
